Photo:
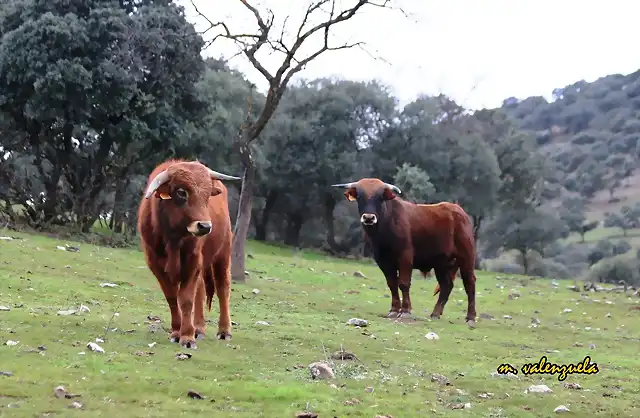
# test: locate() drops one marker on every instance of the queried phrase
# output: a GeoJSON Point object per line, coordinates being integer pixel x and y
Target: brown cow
{"type": "Point", "coordinates": [406, 236]}
{"type": "Point", "coordinates": [186, 238]}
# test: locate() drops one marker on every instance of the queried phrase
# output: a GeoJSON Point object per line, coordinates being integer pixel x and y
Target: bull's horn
{"type": "Point", "coordinates": [345, 185]}
{"type": "Point", "coordinates": [219, 176]}
{"type": "Point", "coordinates": [157, 181]}
{"type": "Point", "coordinates": [392, 187]}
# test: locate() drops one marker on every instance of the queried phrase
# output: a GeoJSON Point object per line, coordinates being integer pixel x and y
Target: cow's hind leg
{"type": "Point", "coordinates": [445, 276]}
{"type": "Point", "coordinates": [222, 279]}
{"type": "Point", "coordinates": [404, 283]}
{"type": "Point", "coordinates": [198, 313]}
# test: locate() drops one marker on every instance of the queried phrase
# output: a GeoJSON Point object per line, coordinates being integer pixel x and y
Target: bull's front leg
{"type": "Point", "coordinates": [391, 274]}
{"type": "Point", "coordinates": [186, 297]}
{"type": "Point", "coordinates": [404, 283]}
{"type": "Point", "coordinates": [170, 290]}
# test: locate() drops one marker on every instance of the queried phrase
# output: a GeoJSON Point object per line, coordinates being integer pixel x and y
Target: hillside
{"type": "Point", "coordinates": [591, 132]}
{"type": "Point", "coordinates": [306, 300]}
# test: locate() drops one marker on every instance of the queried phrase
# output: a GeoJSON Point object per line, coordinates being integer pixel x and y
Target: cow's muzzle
{"type": "Point", "coordinates": [368, 219]}
{"type": "Point", "coordinates": [199, 228]}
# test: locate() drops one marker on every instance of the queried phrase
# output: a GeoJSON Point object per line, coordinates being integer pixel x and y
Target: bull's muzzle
{"type": "Point", "coordinates": [368, 219]}
{"type": "Point", "coordinates": [199, 228]}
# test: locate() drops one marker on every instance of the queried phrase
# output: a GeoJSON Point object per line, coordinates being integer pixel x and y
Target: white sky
{"type": "Point", "coordinates": [502, 47]}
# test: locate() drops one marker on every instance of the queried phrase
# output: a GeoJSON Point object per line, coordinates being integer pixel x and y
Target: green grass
{"type": "Point", "coordinates": [303, 295]}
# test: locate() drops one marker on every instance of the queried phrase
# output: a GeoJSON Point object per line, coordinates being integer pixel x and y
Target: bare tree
{"type": "Point", "coordinates": [292, 63]}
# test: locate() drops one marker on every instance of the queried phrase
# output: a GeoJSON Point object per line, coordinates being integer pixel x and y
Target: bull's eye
{"type": "Point", "coordinates": [182, 194]}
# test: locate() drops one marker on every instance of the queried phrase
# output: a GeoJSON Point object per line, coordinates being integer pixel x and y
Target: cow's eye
{"type": "Point", "coordinates": [182, 194]}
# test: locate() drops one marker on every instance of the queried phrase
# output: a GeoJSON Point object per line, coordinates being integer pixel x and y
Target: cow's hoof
{"type": "Point", "coordinates": [393, 314]}
{"type": "Point", "coordinates": [199, 334]}
{"type": "Point", "coordinates": [432, 316]}
{"type": "Point", "coordinates": [188, 343]}
{"type": "Point", "coordinates": [223, 335]}
{"type": "Point", "coordinates": [471, 323]}
{"type": "Point", "coordinates": [174, 337]}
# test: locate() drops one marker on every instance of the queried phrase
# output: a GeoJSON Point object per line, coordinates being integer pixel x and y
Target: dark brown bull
{"type": "Point", "coordinates": [186, 238]}
{"type": "Point", "coordinates": [406, 236]}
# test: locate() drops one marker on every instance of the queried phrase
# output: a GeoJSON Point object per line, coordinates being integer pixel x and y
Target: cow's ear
{"type": "Point", "coordinates": [163, 192]}
{"type": "Point", "coordinates": [388, 194]}
{"type": "Point", "coordinates": [215, 190]}
{"type": "Point", "coordinates": [351, 194]}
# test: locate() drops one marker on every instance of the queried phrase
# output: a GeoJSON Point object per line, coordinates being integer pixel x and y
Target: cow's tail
{"type": "Point", "coordinates": [209, 286]}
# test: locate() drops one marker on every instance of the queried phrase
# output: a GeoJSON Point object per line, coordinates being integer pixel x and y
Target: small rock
{"type": "Point", "coordinates": [321, 370]}
{"type": "Point", "coordinates": [431, 336]}
{"type": "Point", "coordinates": [306, 414]}
{"type": "Point", "coordinates": [359, 274]}
{"type": "Point", "coordinates": [183, 356]}
{"type": "Point", "coordinates": [311, 269]}
{"type": "Point", "coordinates": [11, 342]}
{"type": "Point", "coordinates": [99, 340]}
{"type": "Point", "coordinates": [608, 315]}
{"type": "Point", "coordinates": [108, 285]}
{"type": "Point", "coordinates": [352, 401]}
{"type": "Point", "coordinates": [264, 323]}
{"type": "Point", "coordinates": [592, 346]}
{"type": "Point", "coordinates": [358, 322]}
{"type": "Point", "coordinates": [486, 316]}
{"type": "Point", "coordinates": [343, 355]}
{"type": "Point", "coordinates": [507, 317]}
{"type": "Point", "coordinates": [334, 386]}
{"type": "Point", "coordinates": [75, 405]}
{"type": "Point", "coordinates": [561, 408]}
{"type": "Point", "coordinates": [5, 308]}
{"type": "Point", "coordinates": [7, 374]}
{"type": "Point", "coordinates": [538, 389]}
{"type": "Point", "coordinates": [383, 416]}
{"type": "Point", "coordinates": [486, 395]}
{"type": "Point", "coordinates": [566, 310]}
{"type": "Point", "coordinates": [505, 375]}
{"type": "Point", "coordinates": [194, 395]}
{"type": "Point", "coordinates": [368, 389]}
{"type": "Point", "coordinates": [152, 344]}
{"type": "Point", "coordinates": [255, 291]}
{"type": "Point", "coordinates": [67, 312]}
{"type": "Point", "coordinates": [571, 385]}
{"type": "Point", "coordinates": [443, 380]}
{"type": "Point", "coordinates": [95, 347]}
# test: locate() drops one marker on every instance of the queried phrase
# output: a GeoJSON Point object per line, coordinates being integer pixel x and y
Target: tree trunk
{"type": "Point", "coordinates": [243, 221]}
{"type": "Point", "coordinates": [477, 223]}
{"type": "Point", "coordinates": [525, 262]}
{"type": "Point", "coordinates": [329, 206]}
{"type": "Point", "coordinates": [263, 221]}
{"type": "Point", "coordinates": [294, 225]}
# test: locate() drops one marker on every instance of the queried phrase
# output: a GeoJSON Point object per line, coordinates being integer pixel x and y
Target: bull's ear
{"type": "Point", "coordinates": [388, 194]}
{"type": "Point", "coordinates": [351, 194]}
{"type": "Point", "coordinates": [215, 190]}
{"type": "Point", "coordinates": [163, 192]}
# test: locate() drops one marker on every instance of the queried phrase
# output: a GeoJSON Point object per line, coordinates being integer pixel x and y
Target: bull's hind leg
{"type": "Point", "coordinates": [445, 278]}
{"type": "Point", "coordinates": [222, 279]}
{"type": "Point", "coordinates": [198, 313]}
{"type": "Point", "coordinates": [469, 279]}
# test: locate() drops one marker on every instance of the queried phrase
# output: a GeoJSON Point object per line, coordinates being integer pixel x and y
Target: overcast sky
{"type": "Point", "coordinates": [478, 52]}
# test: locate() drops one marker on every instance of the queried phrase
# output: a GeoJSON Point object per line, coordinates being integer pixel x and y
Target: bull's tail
{"type": "Point", "coordinates": [209, 286]}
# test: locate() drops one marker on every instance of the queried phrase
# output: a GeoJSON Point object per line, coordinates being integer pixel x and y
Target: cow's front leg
{"type": "Point", "coordinates": [198, 315]}
{"type": "Point", "coordinates": [404, 283]}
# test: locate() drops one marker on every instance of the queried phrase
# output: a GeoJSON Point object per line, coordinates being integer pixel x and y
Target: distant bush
{"type": "Point", "coordinates": [615, 269]}
{"type": "Point", "coordinates": [502, 266]}
{"type": "Point", "coordinates": [621, 247]}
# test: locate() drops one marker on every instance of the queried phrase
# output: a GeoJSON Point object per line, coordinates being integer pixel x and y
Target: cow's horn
{"type": "Point", "coordinates": [345, 185]}
{"type": "Point", "coordinates": [219, 176]}
{"type": "Point", "coordinates": [157, 181]}
{"type": "Point", "coordinates": [392, 187]}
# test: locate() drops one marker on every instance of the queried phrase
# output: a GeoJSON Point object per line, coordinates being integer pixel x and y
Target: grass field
{"type": "Point", "coordinates": [307, 300]}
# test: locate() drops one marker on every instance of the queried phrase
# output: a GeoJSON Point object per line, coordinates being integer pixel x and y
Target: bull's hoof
{"type": "Point", "coordinates": [432, 316]}
{"type": "Point", "coordinates": [223, 335]}
{"type": "Point", "coordinates": [471, 323]}
{"type": "Point", "coordinates": [405, 315]}
{"type": "Point", "coordinates": [174, 337]}
{"type": "Point", "coordinates": [393, 314]}
{"type": "Point", "coordinates": [199, 334]}
{"type": "Point", "coordinates": [188, 343]}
